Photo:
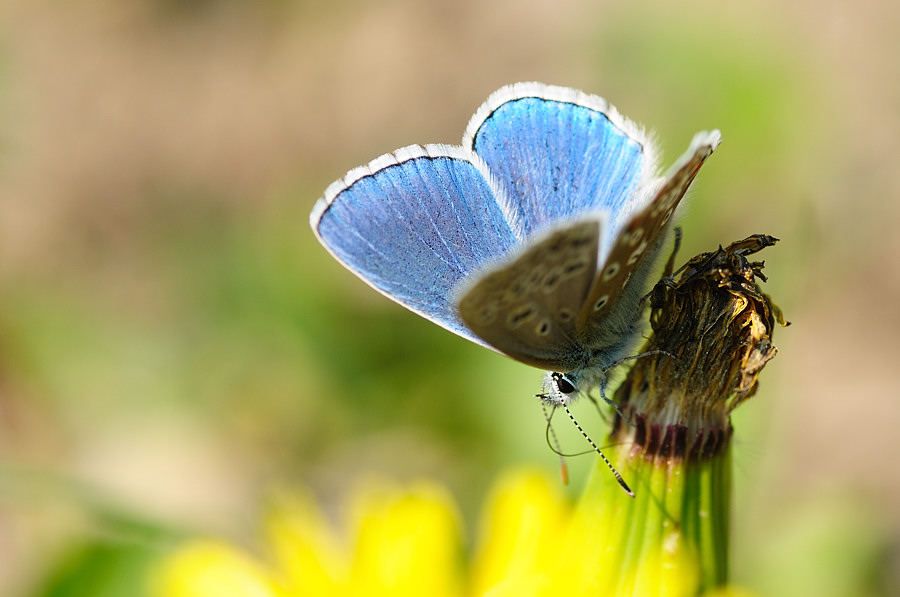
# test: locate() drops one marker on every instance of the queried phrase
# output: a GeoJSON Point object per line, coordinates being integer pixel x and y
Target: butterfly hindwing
{"type": "Point", "coordinates": [557, 153]}
{"type": "Point", "coordinates": [413, 224]}
{"type": "Point", "coordinates": [527, 307]}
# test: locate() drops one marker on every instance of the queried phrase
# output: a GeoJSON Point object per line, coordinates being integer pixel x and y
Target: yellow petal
{"type": "Point", "coordinates": [521, 534]}
{"type": "Point", "coordinates": [303, 546]}
{"type": "Point", "coordinates": [408, 543]}
{"type": "Point", "coordinates": [211, 569]}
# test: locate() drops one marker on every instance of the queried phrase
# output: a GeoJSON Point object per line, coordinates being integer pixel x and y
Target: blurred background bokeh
{"type": "Point", "coordinates": [174, 343]}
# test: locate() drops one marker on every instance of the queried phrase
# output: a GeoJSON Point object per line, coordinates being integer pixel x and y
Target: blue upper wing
{"type": "Point", "coordinates": [558, 153]}
{"type": "Point", "coordinates": [413, 224]}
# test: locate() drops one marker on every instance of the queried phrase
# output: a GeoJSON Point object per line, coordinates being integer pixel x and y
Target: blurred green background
{"type": "Point", "coordinates": [174, 343]}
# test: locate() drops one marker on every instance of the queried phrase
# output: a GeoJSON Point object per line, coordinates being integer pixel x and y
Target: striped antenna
{"type": "Point", "coordinates": [600, 452]}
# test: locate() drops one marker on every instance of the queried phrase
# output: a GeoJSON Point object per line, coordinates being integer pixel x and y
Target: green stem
{"type": "Point", "coordinates": [712, 333]}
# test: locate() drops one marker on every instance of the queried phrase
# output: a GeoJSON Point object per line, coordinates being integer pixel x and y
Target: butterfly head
{"type": "Point", "coordinates": [560, 388]}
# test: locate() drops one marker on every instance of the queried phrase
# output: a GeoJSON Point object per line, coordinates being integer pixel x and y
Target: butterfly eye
{"type": "Point", "coordinates": [563, 384]}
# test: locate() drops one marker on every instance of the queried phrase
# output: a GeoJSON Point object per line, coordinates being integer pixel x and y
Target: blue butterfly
{"type": "Point", "coordinates": [535, 238]}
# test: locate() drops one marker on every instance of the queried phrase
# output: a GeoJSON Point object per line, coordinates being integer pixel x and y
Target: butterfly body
{"type": "Point", "coordinates": [536, 237]}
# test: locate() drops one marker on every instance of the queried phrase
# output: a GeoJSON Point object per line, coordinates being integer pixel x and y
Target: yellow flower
{"type": "Point", "coordinates": [403, 541]}
{"type": "Point", "coordinates": [408, 541]}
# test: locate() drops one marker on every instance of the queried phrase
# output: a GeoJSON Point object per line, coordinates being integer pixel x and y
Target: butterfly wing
{"type": "Point", "coordinates": [527, 307]}
{"type": "Point", "coordinates": [413, 224]}
{"type": "Point", "coordinates": [558, 153]}
{"type": "Point", "coordinates": [613, 305]}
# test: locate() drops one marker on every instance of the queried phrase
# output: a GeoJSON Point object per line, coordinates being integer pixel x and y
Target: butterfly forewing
{"type": "Point", "coordinates": [413, 224]}
{"type": "Point", "coordinates": [613, 303]}
{"type": "Point", "coordinates": [501, 240]}
{"type": "Point", "coordinates": [558, 153]}
{"type": "Point", "coordinates": [527, 307]}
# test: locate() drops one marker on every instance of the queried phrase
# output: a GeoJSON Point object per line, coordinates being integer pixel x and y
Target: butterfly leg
{"type": "Point", "coordinates": [670, 264]}
{"type": "Point", "coordinates": [613, 404]}
{"type": "Point", "coordinates": [636, 356]}
{"type": "Point", "coordinates": [668, 278]}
